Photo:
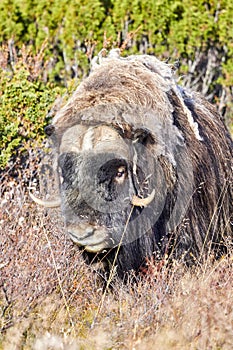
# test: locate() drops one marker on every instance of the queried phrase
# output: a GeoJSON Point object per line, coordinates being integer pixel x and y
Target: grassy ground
{"type": "Point", "coordinates": [50, 299]}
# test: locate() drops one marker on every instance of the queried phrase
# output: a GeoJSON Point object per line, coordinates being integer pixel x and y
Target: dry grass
{"type": "Point", "coordinates": [50, 299]}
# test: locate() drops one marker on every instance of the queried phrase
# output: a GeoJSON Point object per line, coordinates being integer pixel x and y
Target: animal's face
{"type": "Point", "coordinates": [96, 191]}
{"type": "Point", "coordinates": [98, 183]}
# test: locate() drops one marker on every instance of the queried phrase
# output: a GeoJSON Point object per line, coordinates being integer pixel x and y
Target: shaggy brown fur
{"type": "Point", "coordinates": [179, 140]}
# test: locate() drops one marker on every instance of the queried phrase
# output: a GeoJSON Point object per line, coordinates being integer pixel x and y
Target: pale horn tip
{"type": "Point", "coordinates": [143, 202]}
{"type": "Point", "coordinates": [46, 203]}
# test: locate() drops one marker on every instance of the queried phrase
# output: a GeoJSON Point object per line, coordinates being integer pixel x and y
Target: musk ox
{"type": "Point", "coordinates": [145, 166]}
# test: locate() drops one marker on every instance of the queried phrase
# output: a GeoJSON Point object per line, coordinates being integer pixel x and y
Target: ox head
{"type": "Point", "coordinates": [108, 185]}
{"type": "Point", "coordinates": [106, 193]}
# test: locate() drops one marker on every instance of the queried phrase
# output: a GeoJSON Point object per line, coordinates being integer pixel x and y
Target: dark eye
{"type": "Point", "coordinates": [115, 170]}
{"type": "Point", "coordinates": [121, 174]}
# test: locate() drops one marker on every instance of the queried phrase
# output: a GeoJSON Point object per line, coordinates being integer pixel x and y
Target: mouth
{"type": "Point", "coordinates": [93, 238]}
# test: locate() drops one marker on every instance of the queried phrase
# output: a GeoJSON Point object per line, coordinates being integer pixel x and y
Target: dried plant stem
{"type": "Point", "coordinates": [59, 281]}
{"type": "Point", "coordinates": [111, 274]}
{"type": "Point", "coordinates": [217, 209]}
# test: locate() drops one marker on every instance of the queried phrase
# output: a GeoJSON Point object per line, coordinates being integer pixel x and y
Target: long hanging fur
{"type": "Point", "coordinates": [185, 137]}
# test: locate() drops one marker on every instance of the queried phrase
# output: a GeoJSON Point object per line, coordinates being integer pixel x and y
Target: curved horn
{"type": "Point", "coordinates": [46, 203]}
{"type": "Point", "coordinates": [143, 202]}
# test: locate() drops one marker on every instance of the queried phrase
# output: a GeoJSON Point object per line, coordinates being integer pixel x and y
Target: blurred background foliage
{"type": "Point", "coordinates": [46, 47]}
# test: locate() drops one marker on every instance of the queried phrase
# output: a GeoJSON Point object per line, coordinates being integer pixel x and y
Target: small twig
{"type": "Point", "coordinates": [212, 223]}
{"type": "Point", "coordinates": [59, 281]}
{"type": "Point", "coordinates": [112, 270]}
{"type": "Point", "coordinates": [129, 37]}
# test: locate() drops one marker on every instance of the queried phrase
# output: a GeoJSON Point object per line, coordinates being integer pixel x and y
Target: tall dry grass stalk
{"type": "Point", "coordinates": [50, 299]}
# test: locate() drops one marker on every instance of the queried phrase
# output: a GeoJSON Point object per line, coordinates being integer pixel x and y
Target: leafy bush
{"type": "Point", "coordinates": [24, 101]}
{"type": "Point", "coordinates": [64, 35]}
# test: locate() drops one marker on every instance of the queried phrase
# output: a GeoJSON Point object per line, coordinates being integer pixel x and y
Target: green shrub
{"type": "Point", "coordinates": [24, 104]}
{"type": "Point", "coordinates": [197, 33]}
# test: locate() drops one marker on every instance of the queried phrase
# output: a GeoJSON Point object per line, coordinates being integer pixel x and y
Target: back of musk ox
{"type": "Point", "coordinates": [145, 166]}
